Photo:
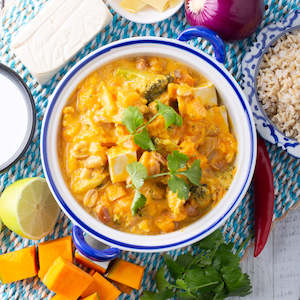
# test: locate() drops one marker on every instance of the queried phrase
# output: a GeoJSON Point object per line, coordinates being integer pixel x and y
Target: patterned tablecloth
{"type": "Point", "coordinates": [239, 225]}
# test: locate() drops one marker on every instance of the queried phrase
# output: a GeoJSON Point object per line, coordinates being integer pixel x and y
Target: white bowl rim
{"type": "Point", "coordinates": [149, 16]}
{"type": "Point", "coordinates": [184, 241]}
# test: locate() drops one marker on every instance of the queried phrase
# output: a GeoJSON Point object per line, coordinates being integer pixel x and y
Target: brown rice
{"type": "Point", "coordinates": [278, 84]}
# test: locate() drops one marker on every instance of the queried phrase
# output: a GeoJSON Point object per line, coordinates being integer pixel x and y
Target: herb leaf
{"type": "Point", "coordinates": [194, 173]}
{"type": "Point", "coordinates": [174, 268]}
{"type": "Point", "coordinates": [179, 186]}
{"type": "Point", "coordinates": [213, 241]}
{"type": "Point", "coordinates": [132, 118]}
{"type": "Point", "coordinates": [237, 283]}
{"type": "Point", "coordinates": [143, 140]}
{"type": "Point", "coordinates": [161, 282]}
{"type": "Point", "coordinates": [213, 275]}
{"type": "Point", "coordinates": [176, 161]}
{"type": "Point", "coordinates": [170, 115]}
{"type": "Point", "coordinates": [138, 174]}
{"type": "Point", "coordinates": [157, 296]}
{"type": "Point", "coordinates": [138, 203]}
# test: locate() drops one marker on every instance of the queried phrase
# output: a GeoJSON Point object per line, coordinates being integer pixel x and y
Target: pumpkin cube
{"type": "Point", "coordinates": [66, 279]}
{"type": "Point", "coordinates": [51, 250]}
{"type": "Point", "coordinates": [92, 297]}
{"type": "Point", "coordinates": [18, 265]}
{"type": "Point", "coordinates": [127, 273]}
{"type": "Point", "coordinates": [106, 290]}
{"type": "Point", "coordinates": [100, 267]}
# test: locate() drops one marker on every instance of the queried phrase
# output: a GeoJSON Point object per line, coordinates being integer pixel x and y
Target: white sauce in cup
{"type": "Point", "coordinates": [16, 119]}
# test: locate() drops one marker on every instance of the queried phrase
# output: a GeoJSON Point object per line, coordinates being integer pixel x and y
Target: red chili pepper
{"type": "Point", "coordinates": [263, 197]}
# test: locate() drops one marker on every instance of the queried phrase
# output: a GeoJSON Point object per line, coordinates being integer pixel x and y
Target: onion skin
{"type": "Point", "coordinates": [231, 19]}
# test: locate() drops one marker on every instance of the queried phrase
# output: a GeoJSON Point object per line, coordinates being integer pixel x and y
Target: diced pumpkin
{"type": "Point", "coordinates": [66, 279]}
{"type": "Point", "coordinates": [18, 265]}
{"type": "Point", "coordinates": [97, 266]}
{"type": "Point", "coordinates": [94, 296]}
{"type": "Point", "coordinates": [50, 251]}
{"type": "Point", "coordinates": [106, 290]}
{"type": "Point", "coordinates": [123, 288]}
{"type": "Point", "coordinates": [127, 273]}
{"type": "Point", "coordinates": [59, 297]}
{"type": "Point", "coordinates": [91, 289]}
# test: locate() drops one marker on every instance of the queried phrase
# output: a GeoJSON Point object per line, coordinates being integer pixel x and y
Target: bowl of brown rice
{"type": "Point", "coordinates": [271, 80]}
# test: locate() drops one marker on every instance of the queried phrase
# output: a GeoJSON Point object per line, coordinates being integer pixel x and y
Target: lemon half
{"type": "Point", "coordinates": [28, 208]}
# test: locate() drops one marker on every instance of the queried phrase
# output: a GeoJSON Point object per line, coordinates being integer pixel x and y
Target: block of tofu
{"type": "Point", "coordinates": [206, 94]}
{"type": "Point", "coordinates": [57, 33]}
{"type": "Point", "coordinates": [118, 159]}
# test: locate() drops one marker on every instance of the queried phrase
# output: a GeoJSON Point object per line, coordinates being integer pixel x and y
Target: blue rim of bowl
{"type": "Point", "coordinates": [286, 23]}
{"type": "Point", "coordinates": [28, 98]}
{"type": "Point", "coordinates": [65, 82]}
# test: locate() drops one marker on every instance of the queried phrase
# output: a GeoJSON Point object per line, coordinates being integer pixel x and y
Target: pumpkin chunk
{"type": "Point", "coordinates": [127, 273]}
{"type": "Point", "coordinates": [94, 265]}
{"type": "Point", "coordinates": [50, 251]}
{"type": "Point", "coordinates": [59, 297]}
{"type": "Point", "coordinates": [18, 265]}
{"type": "Point", "coordinates": [106, 290]}
{"type": "Point", "coordinates": [92, 297]}
{"type": "Point", "coordinates": [66, 279]}
{"type": "Point", "coordinates": [91, 289]}
{"type": "Point", "coordinates": [123, 288]}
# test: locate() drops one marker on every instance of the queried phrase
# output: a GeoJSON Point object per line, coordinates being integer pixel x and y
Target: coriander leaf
{"type": "Point", "coordinates": [237, 283]}
{"type": "Point", "coordinates": [161, 282]}
{"type": "Point", "coordinates": [186, 296]}
{"type": "Point", "coordinates": [194, 173]}
{"type": "Point", "coordinates": [174, 268]}
{"type": "Point", "coordinates": [143, 140]}
{"type": "Point", "coordinates": [138, 203]}
{"type": "Point", "coordinates": [224, 257]}
{"type": "Point", "coordinates": [204, 259]}
{"type": "Point", "coordinates": [198, 278]}
{"type": "Point", "coordinates": [132, 118]}
{"type": "Point", "coordinates": [170, 115]}
{"type": "Point", "coordinates": [157, 296]}
{"type": "Point", "coordinates": [137, 173]}
{"type": "Point", "coordinates": [213, 241]}
{"type": "Point", "coordinates": [185, 260]}
{"type": "Point", "coordinates": [177, 160]}
{"type": "Point", "coordinates": [179, 186]}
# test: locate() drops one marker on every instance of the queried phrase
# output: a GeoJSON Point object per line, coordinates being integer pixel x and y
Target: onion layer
{"type": "Point", "coordinates": [231, 19]}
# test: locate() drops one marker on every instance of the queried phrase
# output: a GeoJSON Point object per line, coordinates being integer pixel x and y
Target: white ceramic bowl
{"type": "Point", "coordinates": [238, 109]}
{"type": "Point", "coordinates": [148, 15]}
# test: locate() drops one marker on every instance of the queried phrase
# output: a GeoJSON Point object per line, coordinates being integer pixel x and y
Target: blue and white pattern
{"type": "Point", "coordinates": [286, 169]}
{"type": "Point", "coordinates": [250, 68]}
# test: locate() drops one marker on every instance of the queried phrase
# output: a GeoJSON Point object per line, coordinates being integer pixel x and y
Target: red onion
{"type": "Point", "coordinates": [231, 19]}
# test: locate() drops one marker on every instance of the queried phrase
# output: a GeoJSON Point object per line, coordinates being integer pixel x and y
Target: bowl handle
{"type": "Point", "coordinates": [90, 252]}
{"type": "Point", "coordinates": [211, 36]}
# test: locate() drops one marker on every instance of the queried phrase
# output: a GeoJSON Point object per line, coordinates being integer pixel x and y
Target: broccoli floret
{"type": "Point", "coordinates": [151, 85]}
{"type": "Point", "coordinates": [157, 87]}
{"type": "Point", "coordinates": [200, 192]}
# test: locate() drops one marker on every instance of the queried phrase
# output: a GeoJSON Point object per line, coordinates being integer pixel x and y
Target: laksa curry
{"type": "Point", "coordinates": [146, 146]}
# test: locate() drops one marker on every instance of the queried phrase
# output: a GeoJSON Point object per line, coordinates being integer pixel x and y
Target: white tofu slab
{"type": "Point", "coordinates": [57, 33]}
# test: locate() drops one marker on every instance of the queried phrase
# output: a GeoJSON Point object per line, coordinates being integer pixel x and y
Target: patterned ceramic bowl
{"type": "Point", "coordinates": [250, 67]}
{"type": "Point", "coordinates": [243, 126]}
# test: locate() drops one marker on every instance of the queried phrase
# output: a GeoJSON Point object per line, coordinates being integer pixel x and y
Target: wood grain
{"type": "Point", "coordinates": [275, 274]}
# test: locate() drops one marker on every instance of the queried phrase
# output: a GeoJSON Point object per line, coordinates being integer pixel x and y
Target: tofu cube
{"type": "Point", "coordinates": [206, 94]}
{"type": "Point", "coordinates": [118, 159]}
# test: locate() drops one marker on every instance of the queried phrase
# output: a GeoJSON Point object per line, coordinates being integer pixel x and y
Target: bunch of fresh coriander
{"type": "Point", "coordinates": [213, 274]}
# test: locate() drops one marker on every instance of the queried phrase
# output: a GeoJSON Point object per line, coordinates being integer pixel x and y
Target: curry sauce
{"type": "Point", "coordinates": [95, 146]}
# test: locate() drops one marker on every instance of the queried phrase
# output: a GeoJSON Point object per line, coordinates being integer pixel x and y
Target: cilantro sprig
{"type": "Point", "coordinates": [179, 180]}
{"type": "Point", "coordinates": [213, 274]}
{"type": "Point", "coordinates": [133, 119]}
